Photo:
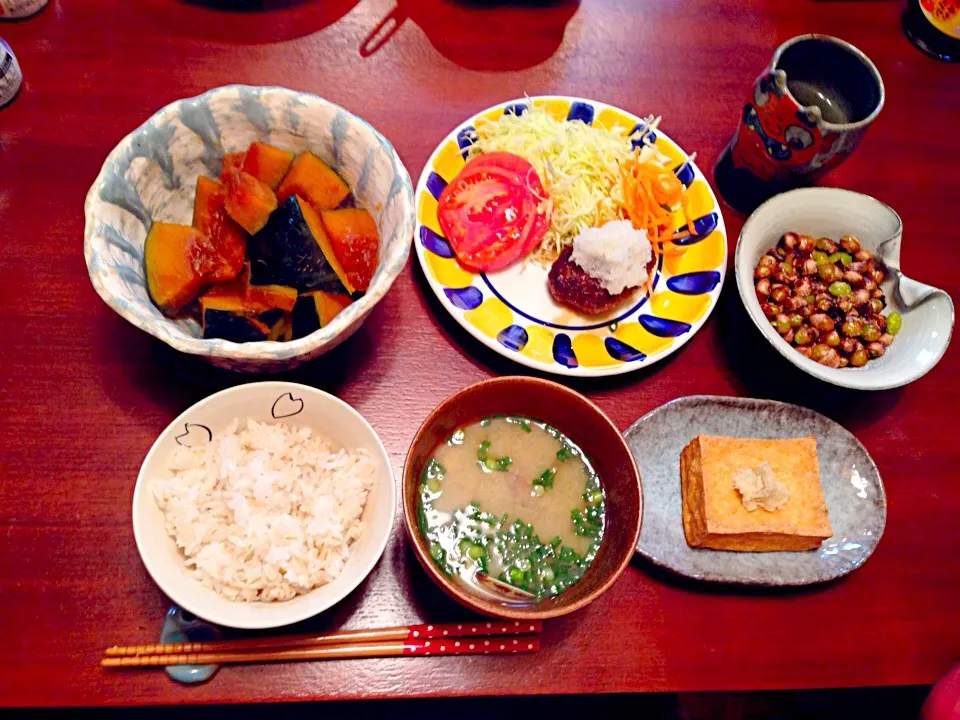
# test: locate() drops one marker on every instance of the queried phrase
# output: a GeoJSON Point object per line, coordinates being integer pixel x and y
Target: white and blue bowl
{"type": "Point", "coordinates": [151, 175]}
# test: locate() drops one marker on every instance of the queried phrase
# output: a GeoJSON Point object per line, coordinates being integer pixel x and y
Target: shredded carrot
{"type": "Point", "coordinates": [650, 194]}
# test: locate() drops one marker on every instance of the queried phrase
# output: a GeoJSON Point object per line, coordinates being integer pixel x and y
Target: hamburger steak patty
{"type": "Point", "coordinates": [571, 285]}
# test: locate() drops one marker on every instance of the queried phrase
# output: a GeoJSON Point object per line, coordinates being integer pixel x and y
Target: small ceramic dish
{"type": "Point", "coordinates": [152, 173]}
{"type": "Point", "coordinates": [298, 406]}
{"type": "Point", "coordinates": [512, 312]}
{"type": "Point", "coordinates": [833, 212]}
{"type": "Point", "coordinates": [854, 494]}
{"type": "Point", "coordinates": [587, 426]}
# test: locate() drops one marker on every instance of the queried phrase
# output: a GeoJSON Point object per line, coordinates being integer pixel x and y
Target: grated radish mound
{"type": "Point", "coordinates": [267, 512]}
{"type": "Point", "coordinates": [616, 254]}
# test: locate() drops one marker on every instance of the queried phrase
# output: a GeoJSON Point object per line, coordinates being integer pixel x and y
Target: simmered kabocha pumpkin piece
{"type": "Point", "coordinates": [224, 307]}
{"type": "Point", "coordinates": [328, 305]}
{"type": "Point", "coordinates": [293, 250]}
{"type": "Point", "coordinates": [232, 162]}
{"type": "Point", "coordinates": [248, 201]}
{"type": "Point", "coordinates": [237, 287]}
{"type": "Point", "coordinates": [256, 298]}
{"type": "Point", "coordinates": [282, 330]}
{"type": "Point", "coordinates": [226, 241]}
{"type": "Point", "coordinates": [207, 200]}
{"type": "Point", "coordinates": [315, 309]}
{"type": "Point", "coordinates": [222, 320]}
{"type": "Point", "coordinates": [172, 257]}
{"type": "Point", "coordinates": [274, 296]}
{"type": "Point", "coordinates": [267, 163]}
{"type": "Point", "coordinates": [314, 181]}
{"type": "Point", "coordinates": [353, 235]}
{"type": "Point", "coordinates": [271, 317]}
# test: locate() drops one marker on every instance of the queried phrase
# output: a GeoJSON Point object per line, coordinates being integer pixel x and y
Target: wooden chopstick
{"type": "Point", "coordinates": [494, 645]}
{"type": "Point", "coordinates": [338, 637]}
{"type": "Point", "coordinates": [344, 637]}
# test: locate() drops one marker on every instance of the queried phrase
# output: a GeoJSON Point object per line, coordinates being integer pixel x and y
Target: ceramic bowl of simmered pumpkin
{"type": "Point", "coordinates": [255, 227]}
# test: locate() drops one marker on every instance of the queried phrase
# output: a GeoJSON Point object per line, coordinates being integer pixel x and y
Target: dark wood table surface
{"type": "Point", "coordinates": [84, 394]}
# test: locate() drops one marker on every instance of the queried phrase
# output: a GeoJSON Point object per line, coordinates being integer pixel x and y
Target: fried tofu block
{"type": "Point", "coordinates": [714, 515]}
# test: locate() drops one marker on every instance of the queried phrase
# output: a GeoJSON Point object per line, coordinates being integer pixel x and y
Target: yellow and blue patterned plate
{"type": "Point", "coordinates": [512, 311]}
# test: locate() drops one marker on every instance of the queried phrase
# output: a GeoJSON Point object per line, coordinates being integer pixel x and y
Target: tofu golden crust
{"type": "Point", "coordinates": [691, 493]}
{"type": "Point", "coordinates": [714, 515]}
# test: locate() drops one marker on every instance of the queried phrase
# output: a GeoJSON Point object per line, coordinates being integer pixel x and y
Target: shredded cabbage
{"type": "Point", "coordinates": [577, 163]}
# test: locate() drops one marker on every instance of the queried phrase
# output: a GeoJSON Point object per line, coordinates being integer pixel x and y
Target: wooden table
{"type": "Point", "coordinates": [84, 394]}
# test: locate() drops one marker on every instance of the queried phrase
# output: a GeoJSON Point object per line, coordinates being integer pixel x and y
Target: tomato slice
{"type": "Point", "coordinates": [490, 212]}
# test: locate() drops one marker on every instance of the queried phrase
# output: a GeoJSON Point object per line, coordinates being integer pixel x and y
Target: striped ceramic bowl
{"type": "Point", "coordinates": [152, 173]}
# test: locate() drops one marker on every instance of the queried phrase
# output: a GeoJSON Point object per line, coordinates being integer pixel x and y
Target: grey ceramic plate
{"type": "Point", "coordinates": [851, 484]}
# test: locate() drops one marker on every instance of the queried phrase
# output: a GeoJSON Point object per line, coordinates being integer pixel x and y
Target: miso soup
{"type": "Point", "coordinates": [513, 499]}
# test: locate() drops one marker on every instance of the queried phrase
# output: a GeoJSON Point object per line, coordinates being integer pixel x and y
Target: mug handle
{"type": "Point", "coordinates": [383, 31]}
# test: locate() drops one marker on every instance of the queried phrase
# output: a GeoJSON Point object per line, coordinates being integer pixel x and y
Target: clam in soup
{"type": "Point", "coordinates": [511, 500]}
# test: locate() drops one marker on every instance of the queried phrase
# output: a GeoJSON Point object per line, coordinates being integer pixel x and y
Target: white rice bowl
{"type": "Point", "coordinates": [263, 521]}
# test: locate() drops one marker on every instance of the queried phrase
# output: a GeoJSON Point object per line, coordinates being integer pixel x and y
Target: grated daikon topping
{"type": "Point", "coordinates": [615, 253]}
